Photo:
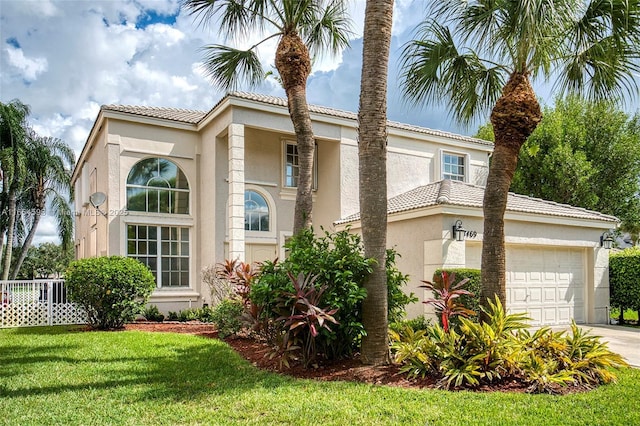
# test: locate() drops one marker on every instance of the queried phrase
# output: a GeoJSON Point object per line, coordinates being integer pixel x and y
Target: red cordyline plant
{"type": "Point", "coordinates": [303, 318]}
{"type": "Point", "coordinates": [445, 293]}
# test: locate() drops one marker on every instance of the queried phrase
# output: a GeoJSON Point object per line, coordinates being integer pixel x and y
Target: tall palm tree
{"type": "Point", "coordinates": [13, 133]}
{"type": "Point", "coordinates": [303, 27]}
{"type": "Point", "coordinates": [587, 47]}
{"type": "Point", "coordinates": [48, 162]}
{"type": "Point", "coordinates": [372, 154]}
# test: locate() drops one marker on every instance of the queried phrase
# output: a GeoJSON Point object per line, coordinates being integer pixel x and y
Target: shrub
{"type": "Point", "coordinates": [152, 313]}
{"type": "Point", "coordinates": [624, 280]}
{"type": "Point", "coordinates": [470, 301]}
{"type": "Point", "coordinates": [227, 316]}
{"type": "Point", "coordinates": [338, 262]}
{"type": "Point", "coordinates": [303, 317]}
{"type": "Point", "coordinates": [446, 292]}
{"type": "Point", "coordinates": [502, 349]}
{"type": "Point", "coordinates": [112, 290]}
{"type": "Point", "coordinates": [414, 324]}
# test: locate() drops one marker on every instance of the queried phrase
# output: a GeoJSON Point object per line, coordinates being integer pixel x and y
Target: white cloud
{"type": "Point", "coordinates": [30, 68]}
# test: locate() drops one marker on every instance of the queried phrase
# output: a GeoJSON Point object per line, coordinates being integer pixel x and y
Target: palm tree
{"type": "Point", "coordinates": [13, 133]}
{"type": "Point", "coordinates": [587, 47]}
{"type": "Point", "coordinates": [372, 154]}
{"type": "Point", "coordinates": [48, 162]}
{"type": "Point", "coordinates": [303, 27]}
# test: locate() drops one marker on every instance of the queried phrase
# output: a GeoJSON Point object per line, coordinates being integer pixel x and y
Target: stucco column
{"type": "Point", "coordinates": [598, 288]}
{"type": "Point", "coordinates": [111, 228]}
{"type": "Point", "coordinates": [236, 192]}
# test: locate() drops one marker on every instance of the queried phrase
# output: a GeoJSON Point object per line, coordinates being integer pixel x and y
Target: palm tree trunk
{"type": "Point", "coordinates": [514, 118]}
{"type": "Point", "coordinates": [27, 242]}
{"type": "Point", "coordinates": [372, 154]}
{"type": "Point", "coordinates": [10, 231]}
{"type": "Point", "coordinates": [294, 66]}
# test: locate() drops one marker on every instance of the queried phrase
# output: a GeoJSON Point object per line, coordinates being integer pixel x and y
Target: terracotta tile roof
{"type": "Point", "coordinates": [273, 100]}
{"type": "Point", "coordinates": [463, 194]}
{"type": "Point", "coordinates": [194, 116]}
{"type": "Point", "coordinates": [174, 114]}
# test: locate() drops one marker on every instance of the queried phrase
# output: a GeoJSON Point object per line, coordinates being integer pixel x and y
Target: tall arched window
{"type": "Point", "coordinates": [256, 212]}
{"type": "Point", "coordinates": [157, 185]}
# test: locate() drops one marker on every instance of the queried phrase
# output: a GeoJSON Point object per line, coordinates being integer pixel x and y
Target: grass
{"type": "Point", "coordinates": [55, 375]}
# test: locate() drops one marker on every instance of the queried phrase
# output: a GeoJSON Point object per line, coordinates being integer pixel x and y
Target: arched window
{"type": "Point", "coordinates": [256, 212]}
{"type": "Point", "coordinates": [157, 185]}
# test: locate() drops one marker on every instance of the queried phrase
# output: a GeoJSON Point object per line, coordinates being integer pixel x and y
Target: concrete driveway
{"type": "Point", "coordinates": [622, 340]}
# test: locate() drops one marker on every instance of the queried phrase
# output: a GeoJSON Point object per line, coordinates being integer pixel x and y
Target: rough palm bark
{"type": "Point", "coordinates": [514, 117]}
{"type": "Point", "coordinates": [372, 154]}
{"type": "Point", "coordinates": [294, 66]}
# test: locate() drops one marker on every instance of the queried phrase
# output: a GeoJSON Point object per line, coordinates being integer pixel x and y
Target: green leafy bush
{"type": "Point", "coordinates": [624, 279]}
{"type": "Point", "coordinates": [504, 349]}
{"type": "Point", "coordinates": [414, 324]}
{"type": "Point", "coordinates": [152, 313]}
{"type": "Point", "coordinates": [338, 263]}
{"type": "Point", "coordinates": [227, 316]}
{"type": "Point", "coordinates": [112, 290]}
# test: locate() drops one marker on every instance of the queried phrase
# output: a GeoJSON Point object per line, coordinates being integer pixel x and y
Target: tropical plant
{"type": "Point", "coordinates": [338, 261]}
{"type": "Point", "coordinates": [303, 28]}
{"type": "Point", "coordinates": [302, 317]}
{"type": "Point", "coordinates": [372, 156]}
{"type": "Point", "coordinates": [112, 290]}
{"type": "Point", "coordinates": [473, 285]}
{"type": "Point", "coordinates": [14, 132]}
{"type": "Point", "coordinates": [49, 162]}
{"type": "Point", "coordinates": [588, 47]}
{"type": "Point", "coordinates": [446, 291]}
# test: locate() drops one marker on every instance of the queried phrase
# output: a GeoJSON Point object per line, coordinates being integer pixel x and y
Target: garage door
{"type": "Point", "coordinates": [546, 283]}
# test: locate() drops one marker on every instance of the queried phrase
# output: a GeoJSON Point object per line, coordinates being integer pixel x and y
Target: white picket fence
{"type": "Point", "coordinates": [37, 303]}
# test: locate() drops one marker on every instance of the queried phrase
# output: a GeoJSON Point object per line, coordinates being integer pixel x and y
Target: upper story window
{"type": "Point", "coordinates": [157, 185]}
{"type": "Point", "coordinates": [453, 166]}
{"type": "Point", "coordinates": [256, 212]}
{"type": "Point", "coordinates": [292, 166]}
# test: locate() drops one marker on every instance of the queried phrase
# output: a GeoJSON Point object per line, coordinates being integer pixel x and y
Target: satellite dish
{"type": "Point", "coordinates": [97, 199]}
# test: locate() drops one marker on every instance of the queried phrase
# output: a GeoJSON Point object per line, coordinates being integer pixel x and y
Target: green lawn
{"type": "Point", "coordinates": [58, 376]}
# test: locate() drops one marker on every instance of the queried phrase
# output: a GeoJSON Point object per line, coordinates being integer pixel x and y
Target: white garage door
{"type": "Point", "coordinates": [546, 283]}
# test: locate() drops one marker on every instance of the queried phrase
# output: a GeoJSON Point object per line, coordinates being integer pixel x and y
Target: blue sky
{"type": "Point", "coordinates": [65, 58]}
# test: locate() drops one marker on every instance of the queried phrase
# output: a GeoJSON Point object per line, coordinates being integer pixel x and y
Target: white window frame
{"type": "Point", "coordinates": [285, 144]}
{"type": "Point", "coordinates": [464, 156]}
{"type": "Point", "coordinates": [159, 253]}
{"type": "Point", "coordinates": [258, 236]}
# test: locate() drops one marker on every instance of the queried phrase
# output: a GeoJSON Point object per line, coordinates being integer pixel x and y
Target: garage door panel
{"type": "Point", "coordinates": [549, 295]}
{"type": "Point", "coordinates": [547, 283]}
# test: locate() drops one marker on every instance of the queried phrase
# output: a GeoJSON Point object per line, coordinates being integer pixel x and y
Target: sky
{"type": "Point", "coordinates": [66, 58]}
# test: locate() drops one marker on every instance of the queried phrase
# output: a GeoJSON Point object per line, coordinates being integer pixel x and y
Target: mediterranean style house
{"type": "Point", "coordinates": [181, 190]}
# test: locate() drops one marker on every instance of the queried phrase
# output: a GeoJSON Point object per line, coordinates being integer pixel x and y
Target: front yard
{"type": "Point", "coordinates": [63, 376]}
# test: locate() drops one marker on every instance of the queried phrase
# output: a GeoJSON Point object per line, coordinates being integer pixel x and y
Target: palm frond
{"type": "Point", "coordinates": [228, 67]}
{"type": "Point", "coordinates": [434, 71]}
{"type": "Point", "coordinates": [329, 29]}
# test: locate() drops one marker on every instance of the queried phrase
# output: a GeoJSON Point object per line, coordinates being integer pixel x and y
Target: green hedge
{"type": "Point", "coordinates": [112, 290]}
{"type": "Point", "coordinates": [475, 281]}
{"type": "Point", "coordinates": [624, 279]}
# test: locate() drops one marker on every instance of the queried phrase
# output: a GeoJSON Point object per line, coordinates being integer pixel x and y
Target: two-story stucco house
{"type": "Point", "coordinates": [181, 190]}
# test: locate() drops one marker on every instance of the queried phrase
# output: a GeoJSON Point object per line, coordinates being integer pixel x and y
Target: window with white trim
{"type": "Point", "coordinates": [165, 251]}
{"type": "Point", "coordinates": [453, 166]}
{"type": "Point", "coordinates": [292, 165]}
{"type": "Point", "coordinates": [157, 185]}
{"type": "Point", "coordinates": [256, 212]}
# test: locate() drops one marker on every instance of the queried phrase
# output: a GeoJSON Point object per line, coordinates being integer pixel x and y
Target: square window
{"type": "Point", "coordinates": [453, 167]}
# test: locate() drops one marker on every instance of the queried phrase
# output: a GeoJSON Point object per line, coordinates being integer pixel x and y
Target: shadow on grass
{"type": "Point", "coordinates": [169, 366]}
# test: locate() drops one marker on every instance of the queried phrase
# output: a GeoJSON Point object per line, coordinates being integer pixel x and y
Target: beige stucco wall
{"type": "Point", "coordinates": [426, 245]}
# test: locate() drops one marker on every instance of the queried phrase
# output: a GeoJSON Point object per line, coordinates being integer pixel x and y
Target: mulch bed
{"type": "Point", "coordinates": [351, 369]}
